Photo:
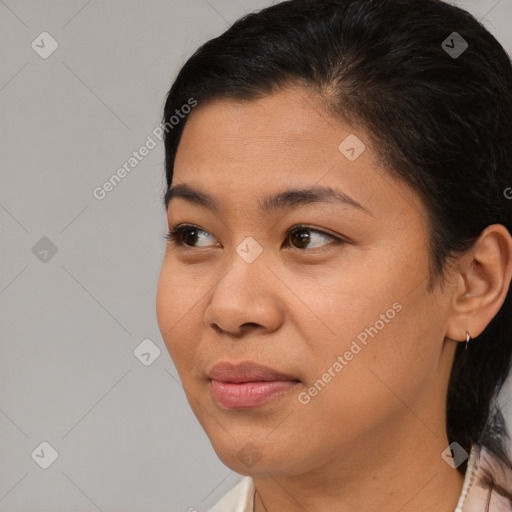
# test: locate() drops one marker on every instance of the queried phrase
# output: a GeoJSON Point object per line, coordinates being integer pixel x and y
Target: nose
{"type": "Point", "coordinates": [245, 300]}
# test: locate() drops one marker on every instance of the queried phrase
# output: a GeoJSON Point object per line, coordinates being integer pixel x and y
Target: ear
{"type": "Point", "coordinates": [482, 281]}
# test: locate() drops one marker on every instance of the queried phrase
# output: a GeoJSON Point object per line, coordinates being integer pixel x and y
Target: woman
{"type": "Point", "coordinates": [335, 292]}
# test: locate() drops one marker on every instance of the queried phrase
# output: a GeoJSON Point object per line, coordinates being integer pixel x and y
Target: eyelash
{"type": "Point", "coordinates": [174, 236]}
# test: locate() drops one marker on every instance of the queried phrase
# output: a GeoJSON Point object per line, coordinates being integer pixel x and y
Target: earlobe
{"type": "Point", "coordinates": [484, 276]}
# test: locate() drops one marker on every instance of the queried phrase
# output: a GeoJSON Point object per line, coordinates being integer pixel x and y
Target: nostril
{"type": "Point", "coordinates": [249, 324]}
{"type": "Point", "coordinates": [242, 329]}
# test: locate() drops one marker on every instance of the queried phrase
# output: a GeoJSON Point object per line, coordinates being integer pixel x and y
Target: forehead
{"type": "Point", "coordinates": [242, 149]}
{"type": "Point", "coordinates": [282, 122]}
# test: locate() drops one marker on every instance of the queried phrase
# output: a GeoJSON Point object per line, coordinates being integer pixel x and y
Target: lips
{"type": "Point", "coordinates": [247, 385]}
{"type": "Point", "coordinates": [246, 372]}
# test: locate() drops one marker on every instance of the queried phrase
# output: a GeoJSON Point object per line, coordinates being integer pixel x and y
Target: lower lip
{"type": "Point", "coordinates": [248, 394]}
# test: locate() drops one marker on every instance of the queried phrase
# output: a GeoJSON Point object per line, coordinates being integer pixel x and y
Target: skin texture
{"type": "Point", "coordinates": [372, 438]}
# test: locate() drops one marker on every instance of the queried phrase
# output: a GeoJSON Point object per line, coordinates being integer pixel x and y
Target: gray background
{"type": "Point", "coordinates": [125, 436]}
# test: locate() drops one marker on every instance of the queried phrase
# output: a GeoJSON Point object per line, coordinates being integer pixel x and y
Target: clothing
{"type": "Point", "coordinates": [241, 497]}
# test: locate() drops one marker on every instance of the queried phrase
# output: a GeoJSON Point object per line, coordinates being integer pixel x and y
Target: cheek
{"type": "Point", "coordinates": [177, 306]}
{"type": "Point", "coordinates": [381, 331]}
{"type": "Point", "coordinates": [350, 305]}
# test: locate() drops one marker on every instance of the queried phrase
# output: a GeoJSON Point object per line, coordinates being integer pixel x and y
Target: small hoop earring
{"type": "Point", "coordinates": [468, 337]}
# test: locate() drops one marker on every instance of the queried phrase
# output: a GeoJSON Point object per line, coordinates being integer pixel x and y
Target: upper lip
{"type": "Point", "coordinates": [246, 372]}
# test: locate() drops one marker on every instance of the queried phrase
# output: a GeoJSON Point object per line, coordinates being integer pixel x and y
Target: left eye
{"type": "Point", "coordinates": [301, 236]}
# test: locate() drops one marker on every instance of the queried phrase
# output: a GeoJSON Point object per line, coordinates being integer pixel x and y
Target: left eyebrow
{"type": "Point", "coordinates": [286, 199]}
{"type": "Point", "coordinates": [317, 194]}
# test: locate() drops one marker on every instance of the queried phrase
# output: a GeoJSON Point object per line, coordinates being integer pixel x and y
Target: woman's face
{"type": "Point", "coordinates": [340, 307]}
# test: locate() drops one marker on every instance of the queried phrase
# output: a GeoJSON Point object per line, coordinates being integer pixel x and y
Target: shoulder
{"type": "Point", "coordinates": [239, 499]}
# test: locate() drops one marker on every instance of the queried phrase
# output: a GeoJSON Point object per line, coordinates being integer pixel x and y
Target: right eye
{"type": "Point", "coordinates": [186, 235]}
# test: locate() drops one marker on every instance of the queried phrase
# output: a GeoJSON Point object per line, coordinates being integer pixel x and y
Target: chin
{"type": "Point", "coordinates": [250, 459]}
